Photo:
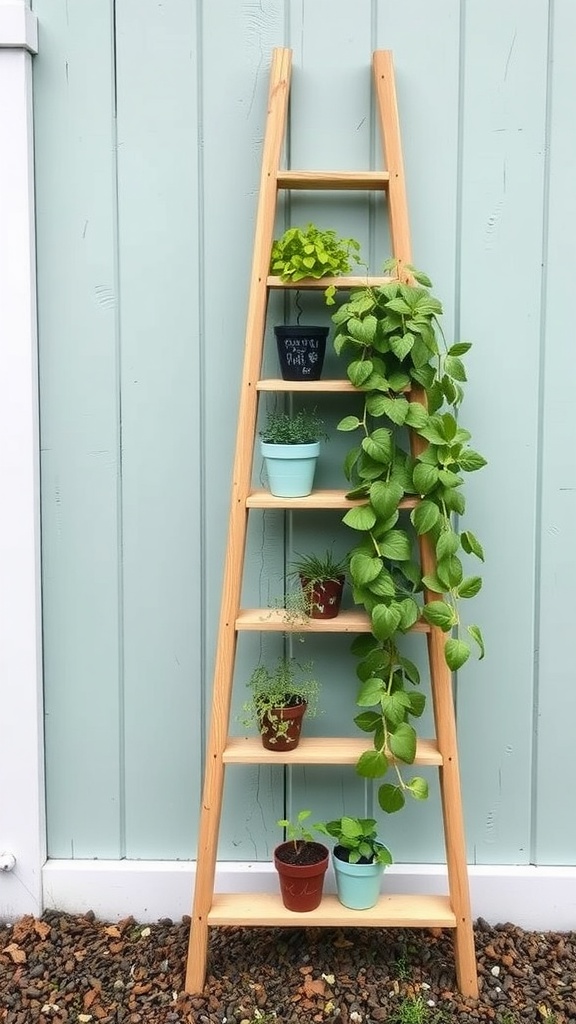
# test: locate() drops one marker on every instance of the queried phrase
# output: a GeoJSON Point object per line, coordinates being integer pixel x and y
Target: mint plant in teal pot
{"type": "Point", "coordinates": [291, 445]}
{"type": "Point", "coordinates": [359, 858]}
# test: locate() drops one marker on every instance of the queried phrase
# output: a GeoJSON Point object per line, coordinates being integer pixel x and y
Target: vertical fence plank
{"type": "Point", "coordinates": [77, 305]}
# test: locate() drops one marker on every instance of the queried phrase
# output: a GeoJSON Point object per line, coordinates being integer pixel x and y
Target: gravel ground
{"type": "Point", "coordinates": [65, 968]}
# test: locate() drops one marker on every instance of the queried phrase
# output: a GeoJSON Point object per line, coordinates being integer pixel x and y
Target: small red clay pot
{"type": "Point", "coordinates": [301, 884]}
{"type": "Point", "coordinates": [289, 740]}
{"type": "Point", "coordinates": [323, 599]}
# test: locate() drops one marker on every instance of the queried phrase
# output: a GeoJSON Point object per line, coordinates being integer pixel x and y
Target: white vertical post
{"type": "Point", "coordinates": [22, 842]}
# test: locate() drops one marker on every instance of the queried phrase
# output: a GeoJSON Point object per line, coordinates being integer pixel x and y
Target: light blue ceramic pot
{"type": "Point", "coordinates": [358, 885]}
{"type": "Point", "coordinates": [290, 467]}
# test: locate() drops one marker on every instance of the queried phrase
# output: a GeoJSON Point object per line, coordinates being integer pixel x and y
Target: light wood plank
{"type": "Point", "coordinates": [318, 499]}
{"type": "Point", "coordinates": [319, 750]}
{"type": "Point", "coordinates": [347, 282]}
{"type": "Point", "coordinates": [267, 909]}
{"type": "Point", "coordinates": [346, 180]}
{"type": "Point", "coordinates": [277, 384]}
{"type": "Point", "coordinates": [273, 620]}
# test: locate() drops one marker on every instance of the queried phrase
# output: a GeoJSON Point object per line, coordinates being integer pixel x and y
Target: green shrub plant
{"type": "Point", "coordinates": [313, 252]}
{"type": "Point", "coordinates": [396, 354]}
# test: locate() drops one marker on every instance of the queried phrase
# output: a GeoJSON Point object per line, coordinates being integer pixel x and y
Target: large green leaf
{"type": "Point", "coordinates": [370, 692]}
{"type": "Point", "coordinates": [364, 568]}
{"type": "Point", "coordinates": [394, 707]}
{"type": "Point", "coordinates": [359, 370]}
{"type": "Point", "coordinates": [385, 621]}
{"type": "Point", "coordinates": [447, 544]}
{"type": "Point", "coordinates": [378, 445]}
{"type": "Point", "coordinates": [390, 798]}
{"type": "Point", "coordinates": [396, 409]}
{"type": "Point", "coordinates": [449, 571]}
{"type": "Point", "coordinates": [455, 368]}
{"type": "Point", "coordinates": [460, 348]}
{"type": "Point", "coordinates": [472, 545]}
{"type": "Point", "coordinates": [470, 460]}
{"type": "Point", "coordinates": [385, 496]}
{"type": "Point", "coordinates": [402, 743]}
{"type": "Point", "coordinates": [372, 764]}
{"type": "Point", "coordinates": [416, 415]}
{"type": "Point", "coordinates": [417, 703]}
{"type": "Point", "coordinates": [439, 613]}
{"type": "Point", "coordinates": [425, 477]}
{"type": "Point", "coordinates": [401, 344]}
{"type": "Point", "coordinates": [425, 516]}
{"type": "Point", "coordinates": [418, 788]}
{"type": "Point", "coordinates": [361, 517]}
{"type": "Point", "coordinates": [349, 423]}
{"type": "Point", "coordinates": [410, 613]}
{"type": "Point", "coordinates": [396, 545]}
{"type": "Point", "coordinates": [470, 586]}
{"type": "Point", "coordinates": [368, 720]}
{"type": "Point", "coordinates": [383, 585]}
{"type": "Point", "coordinates": [456, 653]}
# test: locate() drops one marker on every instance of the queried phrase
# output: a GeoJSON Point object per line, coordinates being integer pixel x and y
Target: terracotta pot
{"type": "Point", "coordinates": [301, 884]}
{"type": "Point", "coordinates": [286, 740]}
{"type": "Point", "coordinates": [323, 598]}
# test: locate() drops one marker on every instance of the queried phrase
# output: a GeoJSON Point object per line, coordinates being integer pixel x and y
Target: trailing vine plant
{"type": "Point", "coordinates": [397, 352]}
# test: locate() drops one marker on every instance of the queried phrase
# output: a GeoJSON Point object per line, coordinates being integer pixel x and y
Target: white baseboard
{"type": "Point", "coordinates": [535, 898]}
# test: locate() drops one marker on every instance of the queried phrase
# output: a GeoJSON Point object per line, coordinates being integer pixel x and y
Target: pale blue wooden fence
{"type": "Point", "coordinates": [149, 127]}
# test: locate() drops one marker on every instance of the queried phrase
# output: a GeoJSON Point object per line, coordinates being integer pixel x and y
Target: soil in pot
{"type": "Point", "coordinates": [301, 871]}
{"type": "Point", "coordinates": [301, 350]}
{"type": "Point", "coordinates": [281, 727]}
{"type": "Point", "coordinates": [323, 598]}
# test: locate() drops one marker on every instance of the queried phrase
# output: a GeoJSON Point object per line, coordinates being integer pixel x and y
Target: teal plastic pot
{"type": "Point", "coordinates": [358, 885]}
{"type": "Point", "coordinates": [290, 467]}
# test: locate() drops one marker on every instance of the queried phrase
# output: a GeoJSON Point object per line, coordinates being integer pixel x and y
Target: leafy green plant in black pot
{"type": "Point", "coordinates": [406, 376]}
{"type": "Point", "coordinates": [308, 252]}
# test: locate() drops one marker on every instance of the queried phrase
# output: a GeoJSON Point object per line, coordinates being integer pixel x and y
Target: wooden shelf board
{"type": "Point", "coordinates": [318, 750]}
{"type": "Point", "coordinates": [318, 499]}
{"type": "Point", "coordinates": [346, 180]}
{"type": "Point", "coordinates": [273, 620]}
{"type": "Point", "coordinates": [322, 283]}
{"type": "Point", "coordinates": [277, 384]}
{"type": "Point", "coordinates": [312, 386]}
{"type": "Point", "coordinates": [267, 910]}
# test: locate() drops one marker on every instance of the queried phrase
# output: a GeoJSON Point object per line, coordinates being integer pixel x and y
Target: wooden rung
{"type": "Point", "coordinates": [267, 909]}
{"type": "Point", "coordinates": [318, 499]}
{"type": "Point", "coordinates": [316, 750]}
{"type": "Point", "coordinates": [274, 620]}
{"type": "Point", "coordinates": [308, 283]}
{"type": "Point", "coordinates": [311, 386]}
{"type": "Point", "coordinates": [361, 181]}
{"type": "Point", "coordinates": [277, 384]}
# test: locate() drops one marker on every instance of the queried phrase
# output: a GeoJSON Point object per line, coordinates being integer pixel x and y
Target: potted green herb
{"type": "Point", "coordinates": [301, 863]}
{"type": "Point", "coordinates": [322, 581]}
{"type": "Point", "coordinates": [359, 858]}
{"type": "Point", "coordinates": [280, 698]}
{"type": "Point", "coordinates": [300, 253]}
{"type": "Point", "coordinates": [290, 444]}
{"type": "Point", "coordinates": [406, 375]}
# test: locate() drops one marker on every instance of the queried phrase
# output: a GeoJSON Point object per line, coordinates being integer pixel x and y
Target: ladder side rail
{"type": "Point", "coordinates": [449, 772]}
{"type": "Point", "coordinates": [440, 675]}
{"type": "Point", "coordinates": [387, 108]}
{"type": "Point", "coordinates": [242, 471]}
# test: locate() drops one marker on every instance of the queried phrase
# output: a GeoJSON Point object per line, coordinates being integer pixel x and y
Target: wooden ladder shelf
{"type": "Point", "coordinates": [450, 911]}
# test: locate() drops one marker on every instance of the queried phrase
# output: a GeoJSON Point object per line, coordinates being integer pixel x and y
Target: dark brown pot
{"type": "Point", "coordinates": [323, 599]}
{"type": "Point", "coordinates": [288, 740]}
{"type": "Point", "coordinates": [301, 884]}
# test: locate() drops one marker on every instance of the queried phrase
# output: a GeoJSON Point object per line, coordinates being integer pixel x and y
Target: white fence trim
{"type": "Point", "coordinates": [535, 898]}
{"type": "Point", "coordinates": [22, 827]}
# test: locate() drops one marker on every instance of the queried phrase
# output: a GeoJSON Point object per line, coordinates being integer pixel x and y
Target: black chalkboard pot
{"type": "Point", "coordinates": [301, 351]}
